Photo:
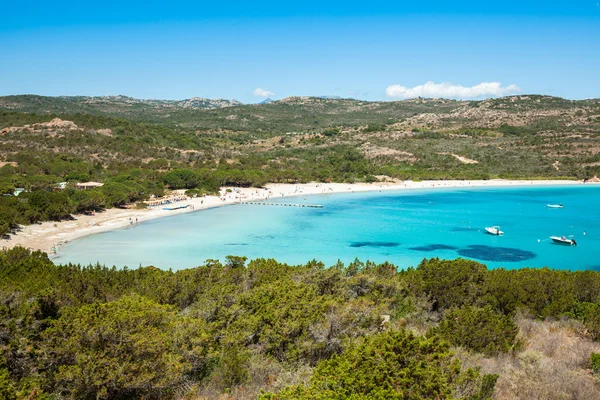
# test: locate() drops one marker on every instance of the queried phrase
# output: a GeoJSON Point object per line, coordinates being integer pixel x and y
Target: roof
{"type": "Point", "coordinates": [89, 184]}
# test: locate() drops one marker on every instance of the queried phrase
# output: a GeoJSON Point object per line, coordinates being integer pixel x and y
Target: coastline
{"type": "Point", "coordinates": [49, 234]}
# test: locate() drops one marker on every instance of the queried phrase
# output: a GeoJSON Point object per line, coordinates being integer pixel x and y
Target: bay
{"type": "Point", "coordinates": [401, 227]}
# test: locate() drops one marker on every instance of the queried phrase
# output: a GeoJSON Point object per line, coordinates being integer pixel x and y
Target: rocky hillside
{"type": "Point", "coordinates": [306, 114]}
{"type": "Point", "coordinates": [112, 105]}
{"type": "Point", "coordinates": [515, 136]}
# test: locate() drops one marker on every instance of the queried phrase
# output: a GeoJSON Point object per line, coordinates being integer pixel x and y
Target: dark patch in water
{"type": "Point", "coordinates": [433, 247]}
{"type": "Point", "coordinates": [459, 229]}
{"type": "Point", "coordinates": [488, 253]}
{"type": "Point", "coordinates": [374, 244]}
{"type": "Point", "coordinates": [262, 237]}
{"type": "Point", "coordinates": [303, 225]}
{"type": "Point", "coordinates": [236, 244]}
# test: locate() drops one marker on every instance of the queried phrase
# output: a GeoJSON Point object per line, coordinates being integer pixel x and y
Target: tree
{"type": "Point", "coordinates": [181, 179]}
{"type": "Point", "coordinates": [88, 200]}
{"type": "Point", "coordinates": [117, 194]}
{"type": "Point", "coordinates": [7, 188]}
{"type": "Point", "coordinates": [235, 261]}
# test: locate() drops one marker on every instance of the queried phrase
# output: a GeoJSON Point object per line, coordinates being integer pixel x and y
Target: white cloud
{"type": "Point", "coordinates": [446, 89]}
{"type": "Point", "coordinates": [258, 92]}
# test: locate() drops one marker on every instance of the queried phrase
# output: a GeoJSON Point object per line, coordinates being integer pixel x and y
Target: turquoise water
{"type": "Point", "coordinates": [402, 227]}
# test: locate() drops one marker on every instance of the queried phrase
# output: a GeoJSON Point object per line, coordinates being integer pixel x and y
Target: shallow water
{"type": "Point", "coordinates": [402, 227]}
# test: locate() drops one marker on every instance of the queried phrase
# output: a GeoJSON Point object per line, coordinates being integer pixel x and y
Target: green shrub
{"type": "Point", "coordinates": [589, 313]}
{"type": "Point", "coordinates": [391, 365]}
{"type": "Point", "coordinates": [232, 369]}
{"type": "Point", "coordinates": [479, 329]}
{"type": "Point", "coordinates": [595, 360]}
{"type": "Point", "coordinates": [449, 283]}
{"type": "Point", "coordinates": [132, 347]}
{"type": "Point", "coordinates": [7, 387]}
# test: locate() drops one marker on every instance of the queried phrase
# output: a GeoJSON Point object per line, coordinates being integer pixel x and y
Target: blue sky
{"type": "Point", "coordinates": [374, 50]}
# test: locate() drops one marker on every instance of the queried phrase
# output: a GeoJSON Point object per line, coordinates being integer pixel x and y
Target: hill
{"type": "Point", "coordinates": [111, 105]}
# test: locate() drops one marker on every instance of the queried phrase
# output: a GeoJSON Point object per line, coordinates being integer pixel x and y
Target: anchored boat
{"type": "Point", "coordinates": [494, 230]}
{"type": "Point", "coordinates": [555, 206]}
{"type": "Point", "coordinates": [563, 240]}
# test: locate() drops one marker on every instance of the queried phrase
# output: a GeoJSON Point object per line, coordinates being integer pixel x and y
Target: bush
{"type": "Point", "coordinates": [589, 313]}
{"type": "Point", "coordinates": [479, 329]}
{"type": "Point", "coordinates": [129, 348]}
{"type": "Point", "coordinates": [232, 369]}
{"type": "Point", "coordinates": [7, 388]}
{"type": "Point", "coordinates": [595, 360]}
{"type": "Point", "coordinates": [331, 132]}
{"type": "Point", "coordinates": [392, 365]}
{"type": "Point", "coordinates": [449, 283]}
{"type": "Point", "coordinates": [371, 179]}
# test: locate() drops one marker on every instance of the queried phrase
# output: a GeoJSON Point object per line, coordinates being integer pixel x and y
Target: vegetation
{"type": "Point", "coordinates": [277, 331]}
{"type": "Point", "coordinates": [391, 365]}
{"type": "Point", "coordinates": [480, 329]}
{"type": "Point", "coordinates": [139, 148]}
{"type": "Point", "coordinates": [595, 359]}
{"type": "Point", "coordinates": [446, 329]}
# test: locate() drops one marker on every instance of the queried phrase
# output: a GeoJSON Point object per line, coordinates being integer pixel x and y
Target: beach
{"type": "Point", "coordinates": [50, 235]}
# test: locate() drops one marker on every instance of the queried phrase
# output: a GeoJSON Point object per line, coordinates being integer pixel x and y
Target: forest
{"type": "Point", "coordinates": [262, 329]}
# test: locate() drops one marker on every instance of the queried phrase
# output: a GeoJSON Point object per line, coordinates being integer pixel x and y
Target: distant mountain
{"type": "Point", "coordinates": [114, 105]}
{"type": "Point", "coordinates": [267, 101]}
{"type": "Point", "coordinates": [309, 114]}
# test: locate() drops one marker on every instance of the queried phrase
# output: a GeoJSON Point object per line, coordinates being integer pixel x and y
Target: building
{"type": "Point", "coordinates": [88, 185]}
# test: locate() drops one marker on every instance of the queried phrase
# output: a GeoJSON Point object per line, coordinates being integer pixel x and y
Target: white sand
{"type": "Point", "coordinates": [47, 235]}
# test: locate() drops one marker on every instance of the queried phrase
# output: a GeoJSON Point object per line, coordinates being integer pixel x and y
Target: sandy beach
{"type": "Point", "coordinates": [49, 235]}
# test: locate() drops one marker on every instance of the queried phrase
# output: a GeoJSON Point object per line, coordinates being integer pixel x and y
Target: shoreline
{"type": "Point", "coordinates": [49, 234]}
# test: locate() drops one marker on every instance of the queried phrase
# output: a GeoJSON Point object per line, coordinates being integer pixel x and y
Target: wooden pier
{"type": "Point", "coordinates": [263, 203]}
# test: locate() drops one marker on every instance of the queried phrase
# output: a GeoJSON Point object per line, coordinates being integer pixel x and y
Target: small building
{"type": "Point", "coordinates": [18, 191]}
{"type": "Point", "coordinates": [88, 185]}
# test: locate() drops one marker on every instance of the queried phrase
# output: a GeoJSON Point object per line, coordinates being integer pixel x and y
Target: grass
{"type": "Point", "coordinates": [552, 364]}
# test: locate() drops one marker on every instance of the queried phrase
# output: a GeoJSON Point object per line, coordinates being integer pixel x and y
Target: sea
{"type": "Point", "coordinates": [402, 227]}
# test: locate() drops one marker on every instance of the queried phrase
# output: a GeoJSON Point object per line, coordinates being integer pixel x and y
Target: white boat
{"type": "Point", "coordinates": [555, 206]}
{"type": "Point", "coordinates": [494, 230]}
{"type": "Point", "coordinates": [563, 240]}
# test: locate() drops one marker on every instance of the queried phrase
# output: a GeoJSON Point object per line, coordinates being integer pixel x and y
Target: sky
{"type": "Point", "coordinates": [250, 50]}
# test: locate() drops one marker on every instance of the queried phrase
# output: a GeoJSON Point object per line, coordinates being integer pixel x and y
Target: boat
{"type": "Point", "coordinates": [176, 207]}
{"type": "Point", "coordinates": [494, 230]}
{"type": "Point", "coordinates": [555, 206]}
{"type": "Point", "coordinates": [563, 240]}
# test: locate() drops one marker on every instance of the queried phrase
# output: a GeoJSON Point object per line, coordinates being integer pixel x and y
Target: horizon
{"type": "Point", "coordinates": [381, 51]}
{"type": "Point", "coordinates": [325, 97]}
